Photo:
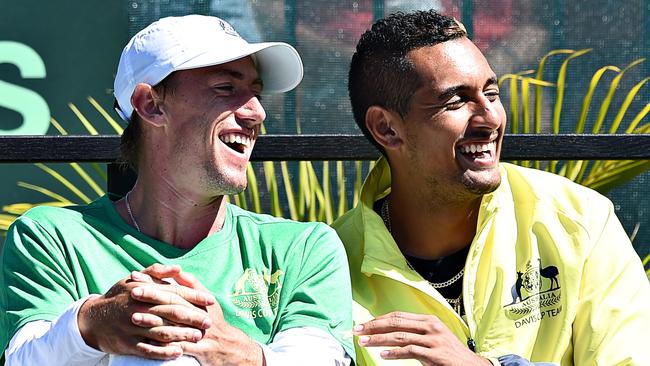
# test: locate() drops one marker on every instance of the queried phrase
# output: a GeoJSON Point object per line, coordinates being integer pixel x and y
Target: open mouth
{"type": "Point", "coordinates": [235, 141]}
{"type": "Point", "coordinates": [477, 151]}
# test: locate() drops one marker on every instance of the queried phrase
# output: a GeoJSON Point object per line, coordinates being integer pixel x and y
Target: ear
{"type": "Point", "coordinates": [147, 104]}
{"type": "Point", "coordinates": [384, 126]}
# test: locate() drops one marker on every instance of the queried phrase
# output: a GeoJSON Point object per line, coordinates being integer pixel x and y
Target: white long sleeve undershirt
{"type": "Point", "coordinates": [59, 342]}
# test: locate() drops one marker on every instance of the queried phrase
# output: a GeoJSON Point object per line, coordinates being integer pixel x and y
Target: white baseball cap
{"type": "Point", "coordinates": [193, 41]}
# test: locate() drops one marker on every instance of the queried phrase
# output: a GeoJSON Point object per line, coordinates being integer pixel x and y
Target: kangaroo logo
{"type": "Point", "coordinates": [258, 294]}
{"type": "Point", "coordinates": [530, 295]}
{"type": "Point", "coordinates": [516, 289]}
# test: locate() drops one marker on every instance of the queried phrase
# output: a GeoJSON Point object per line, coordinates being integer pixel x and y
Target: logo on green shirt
{"type": "Point", "coordinates": [257, 294]}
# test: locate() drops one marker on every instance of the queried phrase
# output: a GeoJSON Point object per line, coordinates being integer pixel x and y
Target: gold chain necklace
{"type": "Point", "coordinates": [385, 215]}
{"type": "Point", "coordinates": [456, 303]}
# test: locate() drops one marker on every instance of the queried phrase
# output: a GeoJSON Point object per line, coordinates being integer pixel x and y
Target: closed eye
{"type": "Point", "coordinates": [225, 89]}
{"type": "Point", "coordinates": [492, 95]}
{"type": "Point", "coordinates": [455, 102]}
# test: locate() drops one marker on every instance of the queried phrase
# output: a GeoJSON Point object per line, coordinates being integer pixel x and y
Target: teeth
{"type": "Point", "coordinates": [232, 138]}
{"type": "Point", "coordinates": [474, 148]}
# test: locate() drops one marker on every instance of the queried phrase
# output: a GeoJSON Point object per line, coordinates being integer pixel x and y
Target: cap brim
{"type": "Point", "coordinates": [278, 64]}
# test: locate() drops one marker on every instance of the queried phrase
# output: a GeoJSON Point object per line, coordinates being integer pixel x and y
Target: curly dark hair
{"type": "Point", "coordinates": [381, 73]}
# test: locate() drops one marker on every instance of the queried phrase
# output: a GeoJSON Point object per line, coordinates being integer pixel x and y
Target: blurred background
{"type": "Point", "coordinates": [58, 59]}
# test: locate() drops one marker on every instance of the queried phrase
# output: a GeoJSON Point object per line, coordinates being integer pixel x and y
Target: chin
{"type": "Point", "coordinates": [482, 183]}
{"type": "Point", "coordinates": [226, 184]}
{"type": "Point", "coordinates": [234, 188]}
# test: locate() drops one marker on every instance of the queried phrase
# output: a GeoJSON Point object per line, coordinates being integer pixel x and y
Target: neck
{"type": "Point", "coordinates": [427, 226]}
{"type": "Point", "coordinates": [181, 219]}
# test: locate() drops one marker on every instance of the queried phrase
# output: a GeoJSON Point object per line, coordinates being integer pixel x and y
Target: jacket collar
{"type": "Point", "coordinates": [381, 255]}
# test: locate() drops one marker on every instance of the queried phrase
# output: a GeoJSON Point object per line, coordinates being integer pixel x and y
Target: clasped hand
{"type": "Point", "coordinates": [146, 316]}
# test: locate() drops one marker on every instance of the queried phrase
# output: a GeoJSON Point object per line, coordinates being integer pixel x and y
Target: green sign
{"type": "Point", "coordinates": [29, 104]}
{"type": "Point", "coordinates": [54, 55]}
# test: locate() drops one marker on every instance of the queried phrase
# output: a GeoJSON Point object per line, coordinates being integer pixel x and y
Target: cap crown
{"type": "Point", "coordinates": [192, 41]}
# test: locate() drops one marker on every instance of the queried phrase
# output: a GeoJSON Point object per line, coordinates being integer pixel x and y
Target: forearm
{"type": "Point", "coordinates": [52, 343]}
{"type": "Point", "coordinates": [296, 346]}
{"type": "Point", "coordinates": [305, 346]}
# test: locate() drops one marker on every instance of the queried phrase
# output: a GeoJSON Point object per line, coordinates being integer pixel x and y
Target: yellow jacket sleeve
{"type": "Point", "coordinates": [612, 324]}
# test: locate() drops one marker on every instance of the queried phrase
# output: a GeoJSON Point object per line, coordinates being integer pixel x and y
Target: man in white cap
{"type": "Point", "coordinates": [171, 271]}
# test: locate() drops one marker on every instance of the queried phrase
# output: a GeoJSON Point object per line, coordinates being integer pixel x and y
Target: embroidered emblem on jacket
{"type": "Point", "coordinates": [536, 294]}
{"type": "Point", "coordinates": [257, 294]}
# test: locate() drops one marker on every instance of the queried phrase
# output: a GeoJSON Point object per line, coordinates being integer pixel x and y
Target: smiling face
{"type": "Point", "coordinates": [454, 127]}
{"type": "Point", "coordinates": [213, 119]}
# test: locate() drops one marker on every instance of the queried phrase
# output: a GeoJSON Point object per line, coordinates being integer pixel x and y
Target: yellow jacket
{"type": "Point", "coordinates": [550, 276]}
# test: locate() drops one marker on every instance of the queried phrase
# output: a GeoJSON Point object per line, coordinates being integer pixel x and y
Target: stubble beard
{"type": "Point", "coordinates": [467, 185]}
{"type": "Point", "coordinates": [216, 180]}
{"type": "Point", "coordinates": [463, 188]}
{"type": "Point", "coordinates": [480, 186]}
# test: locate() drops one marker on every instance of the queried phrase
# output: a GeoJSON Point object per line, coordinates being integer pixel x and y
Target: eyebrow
{"type": "Point", "coordinates": [453, 90]}
{"type": "Point", "coordinates": [237, 75]}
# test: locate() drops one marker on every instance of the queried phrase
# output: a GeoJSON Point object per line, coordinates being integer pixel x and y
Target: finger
{"type": "Point", "coordinates": [143, 277]}
{"type": "Point", "coordinates": [190, 348]}
{"type": "Point", "coordinates": [174, 272]}
{"type": "Point", "coordinates": [192, 317]}
{"type": "Point", "coordinates": [153, 295]}
{"type": "Point", "coordinates": [394, 323]}
{"type": "Point", "coordinates": [407, 352]}
{"type": "Point", "coordinates": [167, 334]}
{"type": "Point", "coordinates": [215, 312]}
{"type": "Point", "coordinates": [406, 315]}
{"type": "Point", "coordinates": [158, 352]}
{"type": "Point", "coordinates": [394, 339]}
{"type": "Point", "coordinates": [195, 296]}
{"type": "Point", "coordinates": [160, 271]}
{"type": "Point", "coordinates": [147, 320]}
{"type": "Point", "coordinates": [188, 279]}
{"type": "Point", "coordinates": [201, 297]}
{"type": "Point", "coordinates": [171, 294]}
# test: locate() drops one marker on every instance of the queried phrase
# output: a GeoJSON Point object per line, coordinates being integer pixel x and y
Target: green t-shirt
{"type": "Point", "coordinates": [268, 274]}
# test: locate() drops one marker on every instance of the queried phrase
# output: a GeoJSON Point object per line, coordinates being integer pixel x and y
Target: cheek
{"type": "Point", "coordinates": [500, 111]}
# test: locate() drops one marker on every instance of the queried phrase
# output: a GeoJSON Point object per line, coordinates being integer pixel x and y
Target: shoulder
{"type": "Point", "coordinates": [258, 221]}
{"type": "Point", "coordinates": [54, 227]}
{"type": "Point", "coordinates": [552, 198]}
{"type": "Point", "coordinates": [46, 216]}
{"type": "Point", "coordinates": [284, 232]}
{"type": "Point", "coordinates": [537, 187]}
{"type": "Point", "coordinates": [349, 225]}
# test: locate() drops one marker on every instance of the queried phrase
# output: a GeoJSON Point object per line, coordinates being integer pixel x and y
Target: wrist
{"type": "Point", "coordinates": [84, 321]}
{"type": "Point", "coordinates": [491, 362]}
{"type": "Point", "coordinates": [261, 360]}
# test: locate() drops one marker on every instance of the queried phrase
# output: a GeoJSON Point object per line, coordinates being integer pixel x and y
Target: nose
{"type": "Point", "coordinates": [488, 113]}
{"type": "Point", "coordinates": [251, 113]}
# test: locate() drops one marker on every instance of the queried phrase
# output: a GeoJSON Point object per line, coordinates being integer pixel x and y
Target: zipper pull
{"type": "Point", "coordinates": [471, 344]}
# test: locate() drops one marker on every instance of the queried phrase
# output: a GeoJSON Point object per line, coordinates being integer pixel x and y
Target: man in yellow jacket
{"type": "Point", "coordinates": [457, 259]}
